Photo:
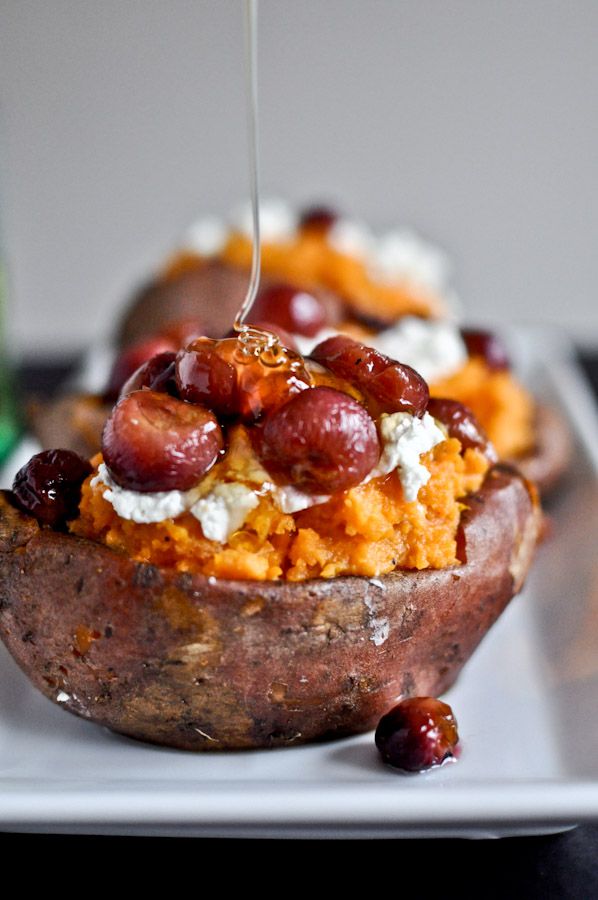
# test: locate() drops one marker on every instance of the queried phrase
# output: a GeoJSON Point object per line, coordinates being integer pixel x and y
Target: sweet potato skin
{"type": "Point", "coordinates": [200, 664]}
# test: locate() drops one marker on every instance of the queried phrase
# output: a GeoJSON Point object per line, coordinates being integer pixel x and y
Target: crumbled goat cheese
{"type": "Point", "coordinates": [291, 500]}
{"type": "Point", "coordinates": [404, 256]}
{"type": "Point", "coordinates": [143, 507]}
{"type": "Point", "coordinates": [351, 238]}
{"type": "Point", "coordinates": [206, 236]}
{"type": "Point", "coordinates": [433, 348]}
{"type": "Point", "coordinates": [278, 223]}
{"type": "Point", "coordinates": [405, 438]}
{"type": "Point", "coordinates": [223, 511]}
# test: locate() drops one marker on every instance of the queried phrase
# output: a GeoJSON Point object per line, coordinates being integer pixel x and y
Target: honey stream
{"type": "Point", "coordinates": [254, 342]}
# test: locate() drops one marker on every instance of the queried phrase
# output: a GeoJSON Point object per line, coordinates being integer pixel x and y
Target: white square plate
{"type": "Point", "coordinates": [527, 705]}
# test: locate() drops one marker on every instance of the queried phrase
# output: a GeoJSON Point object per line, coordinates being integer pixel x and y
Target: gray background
{"type": "Point", "coordinates": [474, 121]}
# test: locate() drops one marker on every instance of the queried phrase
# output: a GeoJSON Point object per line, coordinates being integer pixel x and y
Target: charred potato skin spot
{"type": "Point", "coordinates": [179, 660]}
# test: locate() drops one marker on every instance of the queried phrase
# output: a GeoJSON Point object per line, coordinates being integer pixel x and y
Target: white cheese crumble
{"type": "Point", "coordinates": [278, 223]}
{"type": "Point", "coordinates": [351, 238]}
{"type": "Point", "coordinates": [404, 256]}
{"type": "Point", "coordinates": [141, 507]}
{"type": "Point", "coordinates": [206, 237]}
{"type": "Point", "coordinates": [291, 500]}
{"type": "Point", "coordinates": [433, 348]}
{"type": "Point", "coordinates": [405, 438]}
{"type": "Point", "coordinates": [223, 511]}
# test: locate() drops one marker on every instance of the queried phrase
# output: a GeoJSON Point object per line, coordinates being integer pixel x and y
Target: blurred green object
{"type": "Point", "coordinates": [9, 422]}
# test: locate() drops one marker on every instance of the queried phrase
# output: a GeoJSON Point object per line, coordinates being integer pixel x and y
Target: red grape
{"type": "Point", "coordinates": [131, 359]}
{"type": "Point", "coordinates": [462, 424]}
{"type": "Point", "coordinates": [203, 376]}
{"type": "Point", "coordinates": [417, 734]}
{"type": "Point", "coordinates": [392, 386]}
{"type": "Point", "coordinates": [487, 345]}
{"type": "Point", "coordinates": [318, 218]}
{"type": "Point", "coordinates": [284, 337]}
{"type": "Point", "coordinates": [153, 442]}
{"type": "Point", "coordinates": [320, 441]}
{"type": "Point", "coordinates": [157, 374]}
{"type": "Point", "coordinates": [49, 486]}
{"type": "Point", "coordinates": [297, 311]}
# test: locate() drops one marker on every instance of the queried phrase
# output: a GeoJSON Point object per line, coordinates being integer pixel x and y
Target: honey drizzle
{"type": "Point", "coordinates": [254, 341]}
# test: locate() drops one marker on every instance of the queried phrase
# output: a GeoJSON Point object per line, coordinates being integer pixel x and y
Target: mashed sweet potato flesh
{"type": "Point", "coordinates": [368, 530]}
{"type": "Point", "coordinates": [502, 406]}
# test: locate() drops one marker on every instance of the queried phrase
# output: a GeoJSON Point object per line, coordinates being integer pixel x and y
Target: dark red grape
{"type": "Point", "coordinates": [462, 424]}
{"type": "Point", "coordinates": [297, 311]}
{"type": "Point", "coordinates": [318, 218]}
{"type": "Point", "coordinates": [157, 374]}
{"type": "Point", "coordinates": [203, 376]}
{"type": "Point", "coordinates": [49, 486]}
{"type": "Point", "coordinates": [417, 734]}
{"type": "Point", "coordinates": [153, 442]}
{"type": "Point", "coordinates": [321, 441]}
{"type": "Point", "coordinates": [131, 359]}
{"type": "Point", "coordinates": [392, 386]}
{"type": "Point", "coordinates": [487, 345]}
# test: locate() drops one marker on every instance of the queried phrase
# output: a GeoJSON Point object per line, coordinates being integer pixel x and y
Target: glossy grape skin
{"type": "Point", "coordinates": [320, 441]}
{"type": "Point", "coordinates": [154, 442]}
{"type": "Point", "coordinates": [389, 385]}
{"type": "Point", "coordinates": [418, 733]}
{"type": "Point", "coordinates": [157, 374]}
{"type": "Point", "coordinates": [204, 377]}
{"type": "Point", "coordinates": [48, 487]}
{"type": "Point", "coordinates": [487, 345]}
{"type": "Point", "coordinates": [284, 337]}
{"type": "Point", "coordinates": [461, 423]}
{"type": "Point", "coordinates": [131, 359]}
{"type": "Point", "coordinates": [265, 379]}
{"type": "Point", "coordinates": [295, 310]}
{"type": "Point", "coordinates": [318, 218]}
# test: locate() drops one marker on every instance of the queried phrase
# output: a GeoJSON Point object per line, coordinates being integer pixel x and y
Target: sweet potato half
{"type": "Point", "coordinates": [201, 664]}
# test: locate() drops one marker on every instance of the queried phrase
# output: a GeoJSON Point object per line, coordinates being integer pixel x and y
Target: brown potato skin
{"type": "Point", "coordinates": [547, 463]}
{"type": "Point", "coordinates": [201, 664]}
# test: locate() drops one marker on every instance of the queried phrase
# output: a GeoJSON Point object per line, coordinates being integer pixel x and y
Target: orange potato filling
{"type": "Point", "coordinates": [368, 530]}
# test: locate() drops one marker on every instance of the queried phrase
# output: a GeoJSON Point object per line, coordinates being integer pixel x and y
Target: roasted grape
{"type": "Point", "coordinates": [390, 386]}
{"type": "Point", "coordinates": [266, 376]}
{"type": "Point", "coordinates": [283, 336]}
{"type": "Point", "coordinates": [157, 374]}
{"type": "Point", "coordinates": [203, 376]}
{"type": "Point", "coordinates": [417, 734]}
{"type": "Point", "coordinates": [49, 486]}
{"type": "Point", "coordinates": [297, 311]}
{"type": "Point", "coordinates": [487, 345]}
{"type": "Point", "coordinates": [318, 218]}
{"type": "Point", "coordinates": [153, 442]}
{"type": "Point", "coordinates": [461, 423]}
{"type": "Point", "coordinates": [129, 361]}
{"type": "Point", "coordinates": [321, 441]}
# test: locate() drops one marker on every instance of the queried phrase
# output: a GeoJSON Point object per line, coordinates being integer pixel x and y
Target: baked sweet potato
{"type": "Point", "coordinates": [205, 664]}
